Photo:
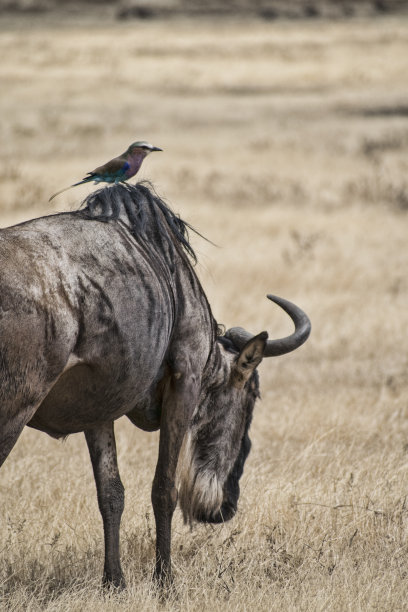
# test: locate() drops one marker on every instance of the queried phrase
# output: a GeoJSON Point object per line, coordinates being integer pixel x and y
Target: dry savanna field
{"type": "Point", "coordinates": [286, 144]}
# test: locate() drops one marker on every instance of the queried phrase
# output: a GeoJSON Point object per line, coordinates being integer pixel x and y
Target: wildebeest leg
{"type": "Point", "coordinates": [10, 429]}
{"type": "Point", "coordinates": [111, 497]}
{"type": "Point", "coordinates": [178, 401]}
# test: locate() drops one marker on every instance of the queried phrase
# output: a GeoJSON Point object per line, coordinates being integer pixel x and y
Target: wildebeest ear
{"type": "Point", "coordinates": [249, 358]}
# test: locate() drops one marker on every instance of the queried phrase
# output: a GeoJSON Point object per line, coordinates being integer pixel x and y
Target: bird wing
{"type": "Point", "coordinates": [118, 165]}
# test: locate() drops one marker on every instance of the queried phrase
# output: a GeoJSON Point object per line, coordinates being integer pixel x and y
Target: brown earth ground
{"type": "Point", "coordinates": [286, 144]}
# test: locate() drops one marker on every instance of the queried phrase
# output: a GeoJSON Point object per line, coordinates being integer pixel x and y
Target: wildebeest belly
{"type": "Point", "coordinates": [85, 396]}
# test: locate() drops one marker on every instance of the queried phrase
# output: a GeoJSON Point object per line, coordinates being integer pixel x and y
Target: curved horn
{"type": "Point", "coordinates": [273, 348]}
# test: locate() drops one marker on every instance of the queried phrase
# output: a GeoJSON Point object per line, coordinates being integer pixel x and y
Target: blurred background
{"type": "Point", "coordinates": [285, 134]}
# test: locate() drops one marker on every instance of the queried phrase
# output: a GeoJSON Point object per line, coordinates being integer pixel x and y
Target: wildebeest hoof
{"type": "Point", "coordinates": [114, 583]}
{"type": "Point", "coordinates": [165, 586]}
{"type": "Point", "coordinates": [163, 579]}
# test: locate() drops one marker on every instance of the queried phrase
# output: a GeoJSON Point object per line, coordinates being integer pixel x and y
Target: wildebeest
{"type": "Point", "coordinates": [102, 315]}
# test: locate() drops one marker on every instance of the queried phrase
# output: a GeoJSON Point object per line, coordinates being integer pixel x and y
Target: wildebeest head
{"type": "Point", "coordinates": [217, 444]}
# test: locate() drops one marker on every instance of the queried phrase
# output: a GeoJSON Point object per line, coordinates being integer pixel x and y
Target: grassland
{"type": "Point", "coordinates": [286, 144]}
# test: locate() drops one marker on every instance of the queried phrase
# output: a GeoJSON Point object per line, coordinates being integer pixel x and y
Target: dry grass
{"type": "Point", "coordinates": [286, 144]}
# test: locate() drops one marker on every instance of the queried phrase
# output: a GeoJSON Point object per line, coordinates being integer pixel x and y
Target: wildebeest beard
{"type": "Point", "coordinates": [213, 455]}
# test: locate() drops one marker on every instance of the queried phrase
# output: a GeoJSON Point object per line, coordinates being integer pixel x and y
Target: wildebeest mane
{"type": "Point", "coordinates": [145, 208]}
{"type": "Point", "coordinates": [142, 205]}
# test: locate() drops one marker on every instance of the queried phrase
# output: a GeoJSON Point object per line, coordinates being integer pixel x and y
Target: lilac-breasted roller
{"type": "Point", "coordinates": [119, 169]}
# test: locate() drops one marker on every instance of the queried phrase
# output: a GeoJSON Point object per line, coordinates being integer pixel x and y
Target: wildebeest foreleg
{"type": "Point", "coordinates": [177, 405]}
{"type": "Point", "coordinates": [10, 429]}
{"type": "Point", "coordinates": [111, 497]}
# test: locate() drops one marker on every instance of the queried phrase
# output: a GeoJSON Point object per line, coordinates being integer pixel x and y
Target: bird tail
{"type": "Point", "coordinates": [85, 180]}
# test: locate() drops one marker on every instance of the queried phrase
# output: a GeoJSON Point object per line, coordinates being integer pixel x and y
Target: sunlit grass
{"type": "Point", "coordinates": [286, 144]}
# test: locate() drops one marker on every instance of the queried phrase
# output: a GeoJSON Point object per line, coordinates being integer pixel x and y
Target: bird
{"type": "Point", "coordinates": [119, 169]}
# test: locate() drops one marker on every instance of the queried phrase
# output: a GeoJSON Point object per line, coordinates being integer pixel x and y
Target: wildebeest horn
{"type": "Point", "coordinates": [273, 348]}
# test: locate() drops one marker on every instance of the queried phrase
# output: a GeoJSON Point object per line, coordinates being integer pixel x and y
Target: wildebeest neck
{"type": "Point", "coordinates": [145, 214]}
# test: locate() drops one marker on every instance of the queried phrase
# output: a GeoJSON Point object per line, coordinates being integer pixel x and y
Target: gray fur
{"type": "Point", "coordinates": [102, 315]}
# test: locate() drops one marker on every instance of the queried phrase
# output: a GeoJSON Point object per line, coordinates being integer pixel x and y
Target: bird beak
{"type": "Point", "coordinates": [156, 149]}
